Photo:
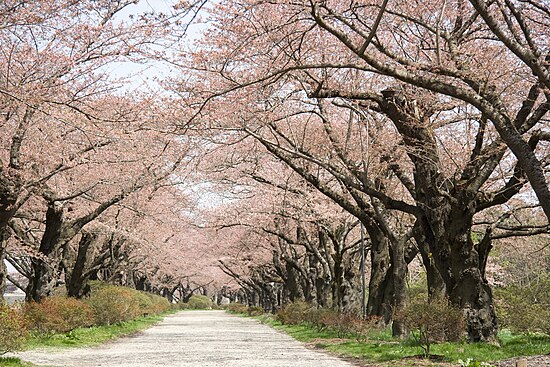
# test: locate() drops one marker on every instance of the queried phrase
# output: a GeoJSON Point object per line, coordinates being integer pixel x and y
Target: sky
{"type": "Point", "coordinates": [147, 75]}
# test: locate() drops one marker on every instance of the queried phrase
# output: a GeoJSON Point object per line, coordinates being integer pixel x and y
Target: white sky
{"type": "Point", "coordinates": [144, 76]}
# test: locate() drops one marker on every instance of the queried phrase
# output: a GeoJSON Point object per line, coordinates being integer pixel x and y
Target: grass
{"type": "Point", "coordinates": [14, 362]}
{"type": "Point", "coordinates": [380, 347]}
{"type": "Point", "coordinates": [95, 335]}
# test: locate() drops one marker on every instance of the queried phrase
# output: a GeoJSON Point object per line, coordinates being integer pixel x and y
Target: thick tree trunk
{"type": "Point", "coordinates": [445, 220]}
{"type": "Point", "coordinates": [338, 283]}
{"type": "Point", "coordinates": [323, 292]}
{"type": "Point", "coordinates": [292, 284]}
{"type": "Point", "coordinates": [399, 276]}
{"type": "Point", "coordinates": [45, 269]}
{"type": "Point", "coordinates": [78, 277]}
{"type": "Point", "coordinates": [436, 285]}
{"type": "Point", "coordinates": [350, 289]}
{"type": "Point", "coordinates": [381, 283]}
{"type": "Point", "coordinates": [458, 262]}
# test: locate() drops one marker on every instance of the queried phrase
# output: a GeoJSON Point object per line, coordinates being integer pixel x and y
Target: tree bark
{"type": "Point", "coordinates": [399, 276]}
{"type": "Point", "coordinates": [379, 301]}
{"type": "Point", "coordinates": [45, 269]}
{"type": "Point", "coordinates": [458, 262]}
{"type": "Point", "coordinates": [436, 285]}
{"type": "Point", "coordinates": [78, 277]}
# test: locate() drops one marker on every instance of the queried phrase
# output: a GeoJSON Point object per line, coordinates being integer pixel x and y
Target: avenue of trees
{"type": "Point", "coordinates": [283, 135]}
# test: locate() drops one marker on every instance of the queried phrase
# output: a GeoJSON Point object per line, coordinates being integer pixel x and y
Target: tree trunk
{"type": "Point", "coordinates": [458, 262]}
{"type": "Point", "coordinates": [399, 276]}
{"type": "Point", "coordinates": [436, 285]}
{"type": "Point", "coordinates": [78, 277]}
{"type": "Point", "coordinates": [323, 292]}
{"type": "Point", "coordinates": [446, 216]}
{"type": "Point", "coordinates": [45, 269]}
{"type": "Point", "coordinates": [338, 283]}
{"type": "Point", "coordinates": [292, 284]}
{"type": "Point", "coordinates": [381, 282]}
{"type": "Point", "coordinates": [10, 186]}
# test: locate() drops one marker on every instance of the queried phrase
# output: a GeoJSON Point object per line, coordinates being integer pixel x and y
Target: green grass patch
{"type": "Point", "coordinates": [512, 345]}
{"type": "Point", "coordinates": [300, 332]}
{"type": "Point", "coordinates": [14, 362]}
{"type": "Point", "coordinates": [82, 337]}
{"type": "Point", "coordinates": [381, 347]}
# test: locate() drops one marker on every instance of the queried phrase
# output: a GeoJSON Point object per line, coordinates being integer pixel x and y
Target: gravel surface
{"type": "Point", "coordinates": [193, 338]}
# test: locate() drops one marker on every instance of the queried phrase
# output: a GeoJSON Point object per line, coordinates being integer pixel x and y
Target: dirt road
{"type": "Point", "coordinates": [194, 338]}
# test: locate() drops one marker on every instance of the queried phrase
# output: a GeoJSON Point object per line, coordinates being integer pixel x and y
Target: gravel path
{"type": "Point", "coordinates": [193, 338]}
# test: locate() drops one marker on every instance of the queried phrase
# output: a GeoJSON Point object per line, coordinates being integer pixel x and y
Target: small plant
{"type": "Point", "coordinates": [341, 323]}
{"type": "Point", "coordinates": [317, 317]}
{"type": "Point", "coordinates": [432, 321]}
{"type": "Point", "coordinates": [158, 304]}
{"type": "Point", "coordinates": [362, 328]}
{"type": "Point", "coordinates": [13, 330]}
{"type": "Point", "coordinates": [200, 302]}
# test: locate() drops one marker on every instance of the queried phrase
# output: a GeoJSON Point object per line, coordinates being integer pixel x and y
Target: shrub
{"type": "Point", "coordinates": [341, 323]}
{"type": "Point", "coordinates": [200, 302]}
{"type": "Point", "coordinates": [58, 315]}
{"type": "Point", "coordinates": [362, 328]}
{"type": "Point", "coordinates": [520, 310]}
{"type": "Point", "coordinates": [317, 317]}
{"type": "Point", "coordinates": [255, 311]}
{"type": "Point", "coordinates": [13, 330]}
{"type": "Point", "coordinates": [432, 321]}
{"type": "Point", "coordinates": [113, 304]}
{"type": "Point", "coordinates": [145, 303]}
{"type": "Point", "coordinates": [158, 304]}
{"type": "Point", "coordinates": [183, 306]}
{"type": "Point", "coordinates": [293, 313]}
{"type": "Point", "coordinates": [236, 307]}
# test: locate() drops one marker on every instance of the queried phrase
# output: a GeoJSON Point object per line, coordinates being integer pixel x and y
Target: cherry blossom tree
{"type": "Point", "coordinates": [287, 64]}
{"type": "Point", "coordinates": [66, 124]}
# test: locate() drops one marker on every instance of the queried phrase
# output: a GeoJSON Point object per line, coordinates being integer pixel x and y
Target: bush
{"type": "Point", "coordinates": [145, 303]}
{"type": "Point", "coordinates": [362, 328]}
{"type": "Point", "coordinates": [341, 323]}
{"type": "Point", "coordinates": [13, 330]}
{"type": "Point", "coordinates": [58, 315]}
{"type": "Point", "coordinates": [255, 311]}
{"type": "Point", "coordinates": [293, 313]}
{"type": "Point", "coordinates": [520, 310]}
{"type": "Point", "coordinates": [200, 302]}
{"type": "Point", "coordinates": [236, 307]}
{"type": "Point", "coordinates": [432, 321]}
{"type": "Point", "coordinates": [158, 304]}
{"type": "Point", "coordinates": [317, 317]}
{"type": "Point", "coordinates": [183, 306]}
{"type": "Point", "coordinates": [114, 304]}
